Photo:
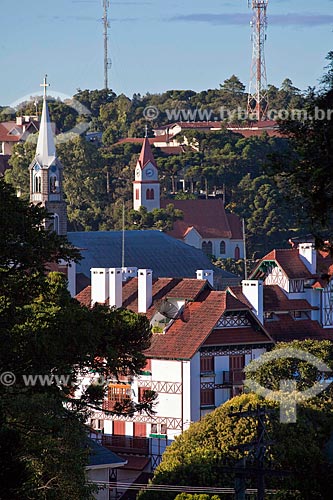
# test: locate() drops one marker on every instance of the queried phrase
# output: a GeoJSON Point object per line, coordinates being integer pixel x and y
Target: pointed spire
{"type": "Point", "coordinates": [45, 152]}
{"type": "Point", "coordinates": [146, 154]}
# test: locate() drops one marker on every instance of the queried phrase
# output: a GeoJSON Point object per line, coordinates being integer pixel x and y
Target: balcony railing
{"type": "Point", "coordinates": [234, 377]}
{"type": "Point", "coordinates": [126, 444]}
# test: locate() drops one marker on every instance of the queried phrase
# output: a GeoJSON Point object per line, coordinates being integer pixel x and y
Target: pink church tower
{"type": "Point", "coordinates": [146, 187]}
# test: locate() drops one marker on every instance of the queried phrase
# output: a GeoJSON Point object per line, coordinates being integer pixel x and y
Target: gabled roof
{"type": "Point", "coordinates": [191, 330]}
{"type": "Point", "coordinates": [5, 135]}
{"type": "Point", "coordinates": [100, 456]}
{"type": "Point", "coordinates": [207, 217]}
{"type": "Point", "coordinates": [163, 288]}
{"type": "Point", "coordinates": [146, 155]}
{"type": "Point", "coordinates": [288, 261]}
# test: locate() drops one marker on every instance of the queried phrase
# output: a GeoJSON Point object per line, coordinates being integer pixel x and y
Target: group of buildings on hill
{"type": "Point", "coordinates": [203, 337]}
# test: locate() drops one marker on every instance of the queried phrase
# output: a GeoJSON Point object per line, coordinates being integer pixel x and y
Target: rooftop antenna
{"type": "Point", "coordinates": [258, 95]}
{"type": "Point", "coordinates": [107, 60]}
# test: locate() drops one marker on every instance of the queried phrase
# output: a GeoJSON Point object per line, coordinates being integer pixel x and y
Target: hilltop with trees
{"type": "Point", "coordinates": [260, 176]}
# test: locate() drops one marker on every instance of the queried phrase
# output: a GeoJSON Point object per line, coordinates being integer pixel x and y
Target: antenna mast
{"type": "Point", "coordinates": [107, 60]}
{"type": "Point", "coordinates": [258, 94]}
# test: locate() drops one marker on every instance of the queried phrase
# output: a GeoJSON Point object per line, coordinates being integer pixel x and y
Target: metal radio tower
{"type": "Point", "coordinates": [107, 60]}
{"type": "Point", "coordinates": [258, 95]}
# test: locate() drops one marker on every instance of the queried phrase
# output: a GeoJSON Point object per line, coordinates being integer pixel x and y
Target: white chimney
{"type": "Point", "coordinates": [129, 272]}
{"type": "Point", "coordinates": [115, 287]}
{"type": "Point", "coordinates": [145, 289]}
{"type": "Point", "coordinates": [206, 274]}
{"type": "Point", "coordinates": [254, 292]}
{"type": "Point", "coordinates": [308, 255]}
{"type": "Point", "coordinates": [99, 285]}
{"type": "Point", "coordinates": [71, 277]}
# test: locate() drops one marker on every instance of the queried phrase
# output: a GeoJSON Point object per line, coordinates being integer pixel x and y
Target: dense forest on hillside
{"type": "Point", "coordinates": [98, 176]}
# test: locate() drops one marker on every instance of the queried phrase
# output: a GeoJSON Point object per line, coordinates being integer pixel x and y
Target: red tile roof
{"type": "Point", "coordinates": [289, 261]}
{"type": "Point", "coordinates": [230, 336]}
{"type": "Point", "coordinates": [276, 300]}
{"type": "Point", "coordinates": [189, 332]}
{"type": "Point", "coordinates": [6, 128]}
{"type": "Point", "coordinates": [180, 288]}
{"type": "Point", "coordinates": [208, 217]}
{"type": "Point", "coordinates": [286, 329]}
{"type": "Point", "coordinates": [146, 154]}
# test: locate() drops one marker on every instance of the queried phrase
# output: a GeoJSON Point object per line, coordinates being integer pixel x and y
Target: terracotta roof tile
{"type": "Point", "coordinates": [289, 261]}
{"type": "Point", "coordinates": [84, 297]}
{"type": "Point", "coordinates": [189, 332]}
{"type": "Point", "coordinates": [207, 217]}
{"type": "Point", "coordinates": [146, 154]}
{"type": "Point", "coordinates": [232, 336]}
{"type": "Point", "coordinates": [276, 300]}
{"type": "Point", "coordinates": [286, 329]}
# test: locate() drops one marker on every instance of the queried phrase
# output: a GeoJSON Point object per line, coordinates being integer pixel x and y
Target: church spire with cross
{"type": "Point", "coordinates": [46, 151]}
{"type": "Point", "coordinates": [46, 173]}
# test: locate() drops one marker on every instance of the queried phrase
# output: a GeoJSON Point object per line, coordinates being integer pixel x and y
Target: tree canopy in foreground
{"type": "Point", "coordinates": [198, 456]}
{"type": "Point", "coordinates": [44, 332]}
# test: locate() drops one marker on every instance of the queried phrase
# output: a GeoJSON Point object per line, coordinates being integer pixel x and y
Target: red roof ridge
{"type": "Point", "coordinates": [146, 154]}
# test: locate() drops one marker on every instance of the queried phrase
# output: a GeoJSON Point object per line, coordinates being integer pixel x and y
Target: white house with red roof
{"type": "Point", "coordinates": [13, 132]}
{"type": "Point", "coordinates": [201, 343]}
{"type": "Point", "coordinates": [207, 226]}
{"type": "Point", "coordinates": [203, 339]}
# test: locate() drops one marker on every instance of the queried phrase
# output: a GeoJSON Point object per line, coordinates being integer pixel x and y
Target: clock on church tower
{"type": "Point", "coordinates": [146, 187]}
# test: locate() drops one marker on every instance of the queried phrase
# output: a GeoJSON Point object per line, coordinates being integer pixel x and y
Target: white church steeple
{"type": "Point", "coordinates": [46, 173]}
{"type": "Point", "coordinates": [46, 151]}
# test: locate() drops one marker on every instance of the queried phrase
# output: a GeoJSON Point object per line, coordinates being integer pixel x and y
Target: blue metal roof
{"type": "Point", "coordinates": [150, 249]}
{"type": "Point", "coordinates": [99, 455]}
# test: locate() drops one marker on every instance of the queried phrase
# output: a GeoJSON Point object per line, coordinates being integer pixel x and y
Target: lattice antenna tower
{"type": "Point", "coordinates": [258, 93]}
{"type": "Point", "coordinates": [106, 26]}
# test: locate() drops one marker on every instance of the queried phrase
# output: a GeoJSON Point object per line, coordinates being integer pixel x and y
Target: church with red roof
{"type": "Point", "coordinates": [205, 224]}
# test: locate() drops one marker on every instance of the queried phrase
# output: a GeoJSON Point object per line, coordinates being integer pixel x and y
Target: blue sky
{"type": "Point", "coordinates": [156, 45]}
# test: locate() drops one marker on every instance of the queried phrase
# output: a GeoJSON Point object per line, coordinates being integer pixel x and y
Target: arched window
{"type": "Point", "coordinates": [207, 247]}
{"type": "Point", "coordinates": [38, 184]}
{"type": "Point", "coordinates": [53, 184]}
{"type": "Point", "coordinates": [137, 194]}
{"type": "Point", "coordinates": [152, 194]}
{"type": "Point", "coordinates": [147, 194]}
{"type": "Point", "coordinates": [222, 247]}
{"type": "Point", "coordinates": [237, 253]}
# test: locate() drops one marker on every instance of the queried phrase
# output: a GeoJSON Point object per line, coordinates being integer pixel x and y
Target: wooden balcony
{"type": "Point", "coordinates": [126, 444]}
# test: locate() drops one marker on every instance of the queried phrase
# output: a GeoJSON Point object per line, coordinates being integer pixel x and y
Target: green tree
{"type": "Point", "coordinates": [197, 457]}
{"type": "Point", "coordinates": [306, 164]}
{"type": "Point", "coordinates": [43, 331]}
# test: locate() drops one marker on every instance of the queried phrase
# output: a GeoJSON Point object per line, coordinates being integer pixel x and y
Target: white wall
{"type": "Point", "coordinates": [195, 387]}
{"type": "Point", "coordinates": [100, 475]}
